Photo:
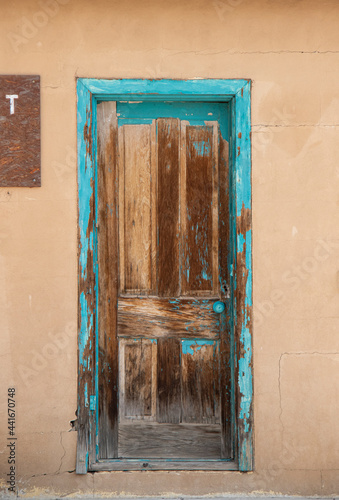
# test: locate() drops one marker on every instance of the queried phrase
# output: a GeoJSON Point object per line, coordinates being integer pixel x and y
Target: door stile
{"type": "Point", "coordinates": [215, 210]}
{"type": "Point", "coordinates": [168, 352]}
{"type": "Point", "coordinates": [108, 279]}
{"type": "Point", "coordinates": [226, 340]}
{"type": "Point", "coordinates": [121, 203]}
{"type": "Point", "coordinates": [182, 206]}
{"type": "Point", "coordinates": [154, 213]}
{"type": "Point", "coordinates": [167, 209]}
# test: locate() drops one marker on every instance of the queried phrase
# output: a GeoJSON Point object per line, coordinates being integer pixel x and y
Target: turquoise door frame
{"type": "Point", "coordinates": [238, 94]}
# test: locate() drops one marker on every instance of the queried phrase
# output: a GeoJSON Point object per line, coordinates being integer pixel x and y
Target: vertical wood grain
{"type": "Point", "coordinates": [168, 207]}
{"type": "Point", "coordinates": [108, 281]}
{"type": "Point", "coordinates": [87, 290]}
{"type": "Point", "coordinates": [121, 405]}
{"type": "Point", "coordinates": [215, 208]}
{"type": "Point", "coordinates": [168, 379]}
{"type": "Point", "coordinates": [137, 163]}
{"type": "Point", "coordinates": [199, 188]}
{"type": "Point", "coordinates": [154, 379]}
{"type": "Point", "coordinates": [154, 184]}
{"type": "Point", "coordinates": [184, 271]}
{"type": "Point", "coordinates": [200, 382]}
{"type": "Point", "coordinates": [224, 216]}
{"type": "Point", "coordinates": [226, 386]}
{"type": "Point", "coordinates": [121, 181]}
{"type": "Point", "coordinates": [138, 379]}
{"type": "Point", "coordinates": [226, 343]}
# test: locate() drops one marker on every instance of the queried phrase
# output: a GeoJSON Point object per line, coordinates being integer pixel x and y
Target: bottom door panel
{"type": "Point", "coordinates": [182, 441]}
{"type": "Point", "coordinates": [169, 398]}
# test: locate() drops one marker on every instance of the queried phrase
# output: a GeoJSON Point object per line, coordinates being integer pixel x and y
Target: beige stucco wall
{"type": "Point", "coordinates": [290, 51]}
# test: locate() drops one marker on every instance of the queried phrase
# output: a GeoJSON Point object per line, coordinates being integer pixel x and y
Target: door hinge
{"type": "Point", "coordinates": [92, 402]}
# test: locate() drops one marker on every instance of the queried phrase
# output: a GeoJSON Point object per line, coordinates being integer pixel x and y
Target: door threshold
{"type": "Point", "coordinates": [158, 464]}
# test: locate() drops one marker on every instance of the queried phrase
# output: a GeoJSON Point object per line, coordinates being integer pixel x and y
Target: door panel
{"type": "Point", "coordinates": [199, 200]}
{"type": "Point", "coordinates": [135, 231]}
{"type": "Point", "coordinates": [137, 379]}
{"type": "Point", "coordinates": [168, 381]}
{"type": "Point", "coordinates": [168, 208]}
{"type": "Point", "coordinates": [200, 381]}
{"type": "Point", "coordinates": [174, 350]}
{"type": "Point", "coordinates": [171, 441]}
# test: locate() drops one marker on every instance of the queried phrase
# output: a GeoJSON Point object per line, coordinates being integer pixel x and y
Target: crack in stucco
{"type": "Point", "coordinates": [296, 125]}
{"type": "Point", "coordinates": [249, 52]}
{"type": "Point", "coordinates": [63, 456]}
{"type": "Point", "coordinates": [58, 472]}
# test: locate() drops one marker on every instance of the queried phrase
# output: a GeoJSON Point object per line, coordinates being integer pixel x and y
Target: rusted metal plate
{"type": "Point", "coordinates": [20, 131]}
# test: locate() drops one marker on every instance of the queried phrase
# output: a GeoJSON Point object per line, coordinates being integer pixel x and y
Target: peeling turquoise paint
{"type": "Point", "coordinates": [235, 96]}
{"type": "Point", "coordinates": [245, 385]}
{"type": "Point", "coordinates": [205, 275]}
{"type": "Point", "coordinates": [190, 346]}
{"type": "Point", "coordinates": [202, 148]}
{"type": "Point", "coordinates": [85, 175]}
{"type": "Point", "coordinates": [196, 89]}
{"type": "Point", "coordinates": [196, 113]}
{"type": "Point", "coordinates": [86, 324]}
{"type": "Point", "coordinates": [86, 395]}
{"type": "Point", "coordinates": [240, 242]}
{"type": "Point", "coordinates": [243, 148]}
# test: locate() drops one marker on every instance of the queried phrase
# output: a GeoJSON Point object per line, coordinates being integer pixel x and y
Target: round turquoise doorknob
{"type": "Point", "coordinates": [218, 307]}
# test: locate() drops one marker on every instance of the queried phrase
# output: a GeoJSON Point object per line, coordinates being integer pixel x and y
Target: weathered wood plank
{"type": "Point", "coordinates": [226, 343]}
{"type": "Point", "coordinates": [154, 183]}
{"type": "Point", "coordinates": [154, 379]}
{"type": "Point", "coordinates": [226, 386]}
{"type": "Point", "coordinates": [144, 440]}
{"type": "Point", "coordinates": [215, 208]}
{"type": "Point", "coordinates": [137, 192]}
{"type": "Point", "coordinates": [138, 379]}
{"type": "Point", "coordinates": [168, 207]}
{"type": "Point", "coordinates": [162, 317]}
{"type": "Point", "coordinates": [86, 282]}
{"type": "Point", "coordinates": [108, 281]}
{"type": "Point", "coordinates": [198, 272]}
{"type": "Point", "coordinates": [144, 372]}
{"type": "Point", "coordinates": [168, 381]}
{"type": "Point", "coordinates": [224, 217]}
{"type": "Point", "coordinates": [121, 212]}
{"type": "Point", "coordinates": [184, 271]}
{"type": "Point", "coordinates": [200, 396]}
{"type": "Point", "coordinates": [243, 343]}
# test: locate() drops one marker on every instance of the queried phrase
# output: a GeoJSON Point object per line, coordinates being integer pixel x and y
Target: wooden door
{"type": "Point", "coordinates": [164, 354]}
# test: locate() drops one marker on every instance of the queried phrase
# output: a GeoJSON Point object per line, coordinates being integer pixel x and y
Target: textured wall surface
{"type": "Point", "coordinates": [289, 49]}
